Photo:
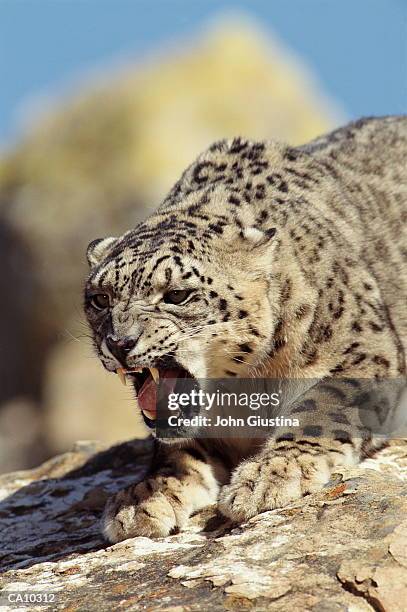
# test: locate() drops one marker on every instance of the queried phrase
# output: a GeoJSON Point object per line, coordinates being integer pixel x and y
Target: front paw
{"type": "Point", "coordinates": [138, 511]}
{"type": "Point", "coordinates": [271, 482]}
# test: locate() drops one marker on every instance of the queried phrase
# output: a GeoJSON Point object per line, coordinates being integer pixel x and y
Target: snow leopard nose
{"type": "Point", "coordinates": [121, 347]}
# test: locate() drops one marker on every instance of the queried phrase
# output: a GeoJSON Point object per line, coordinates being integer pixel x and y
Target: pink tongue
{"type": "Point", "coordinates": [147, 396]}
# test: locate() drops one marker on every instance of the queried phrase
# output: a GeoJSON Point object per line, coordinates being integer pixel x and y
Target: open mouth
{"type": "Point", "coordinates": [145, 382]}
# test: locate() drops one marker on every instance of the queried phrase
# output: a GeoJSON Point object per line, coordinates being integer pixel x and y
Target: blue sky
{"type": "Point", "coordinates": [357, 48]}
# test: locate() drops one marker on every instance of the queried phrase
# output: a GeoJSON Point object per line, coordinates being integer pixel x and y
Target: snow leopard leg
{"type": "Point", "coordinates": [338, 420]}
{"type": "Point", "coordinates": [182, 483]}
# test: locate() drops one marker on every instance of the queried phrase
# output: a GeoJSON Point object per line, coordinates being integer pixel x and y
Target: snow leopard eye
{"type": "Point", "coordinates": [176, 296]}
{"type": "Point", "coordinates": [100, 301]}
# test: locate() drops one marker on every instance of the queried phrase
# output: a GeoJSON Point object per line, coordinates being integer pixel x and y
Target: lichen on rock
{"type": "Point", "coordinates": [341, 549]}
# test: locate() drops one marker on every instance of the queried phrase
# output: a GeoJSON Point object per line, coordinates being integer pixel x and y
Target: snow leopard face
{"type": "Point", "coordinates": [185, 294]}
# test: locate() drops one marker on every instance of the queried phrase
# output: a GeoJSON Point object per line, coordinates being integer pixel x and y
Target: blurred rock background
{"type": "Point", "coordinates": [94, 165]}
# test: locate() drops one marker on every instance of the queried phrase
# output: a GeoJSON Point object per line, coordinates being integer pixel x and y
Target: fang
{"type": "Point", "coordinates": [155, 374]}
{"type": "Point", "coordinates": [121, 375]}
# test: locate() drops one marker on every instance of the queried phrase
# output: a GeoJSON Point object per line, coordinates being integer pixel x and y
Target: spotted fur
{"type": "Point", "coordinates": [295, 261]}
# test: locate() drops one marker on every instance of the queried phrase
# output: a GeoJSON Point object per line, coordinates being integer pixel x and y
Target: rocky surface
{"type": "Point", "coordinates": [342, 549]}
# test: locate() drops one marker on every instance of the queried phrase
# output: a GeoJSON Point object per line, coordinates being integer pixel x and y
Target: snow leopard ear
{"type": "Point", "coordinates": [248, 237]}
{"type": "Point", "coordinates": [250, 248]}
{"type": "Point", "coordinates": [256, 237]}
{"type": "Point", "coordinates": [98, 249]}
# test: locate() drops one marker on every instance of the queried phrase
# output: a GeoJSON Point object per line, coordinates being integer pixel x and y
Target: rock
{"type": "Point", "coordinates": [341, 549]}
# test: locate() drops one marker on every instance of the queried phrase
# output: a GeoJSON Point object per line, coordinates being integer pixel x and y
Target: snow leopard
{"type": "Point", "coordinates": [264, 260]}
